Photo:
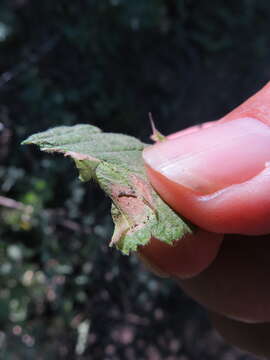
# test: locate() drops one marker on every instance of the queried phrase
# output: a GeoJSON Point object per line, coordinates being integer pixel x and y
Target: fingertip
{"type": "Point", "coordinates": [186, 258]}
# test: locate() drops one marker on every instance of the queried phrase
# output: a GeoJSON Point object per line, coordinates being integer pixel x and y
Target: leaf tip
{"type": "Point", "coordinates": [26, 141]}
{"type": "Point", "coordinates": [156, 135]}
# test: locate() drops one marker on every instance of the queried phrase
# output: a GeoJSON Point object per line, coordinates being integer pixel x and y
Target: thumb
{"type": "Point", "coordinates": [219, 176]}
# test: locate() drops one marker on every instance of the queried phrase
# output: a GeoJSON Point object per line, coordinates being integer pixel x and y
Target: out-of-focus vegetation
{"type": "Point", "coordinates": [63, 293]}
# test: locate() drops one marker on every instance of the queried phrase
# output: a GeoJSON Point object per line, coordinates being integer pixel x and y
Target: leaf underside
{"type": "Point", "coordinates": [115, 162]}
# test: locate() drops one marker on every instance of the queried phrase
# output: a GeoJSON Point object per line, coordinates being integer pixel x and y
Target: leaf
{"type": "Point", "coordinates": [115, 162]}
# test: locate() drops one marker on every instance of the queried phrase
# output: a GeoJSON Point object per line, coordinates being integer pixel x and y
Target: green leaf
{"type": "Point", "coordinates": [115, 162]}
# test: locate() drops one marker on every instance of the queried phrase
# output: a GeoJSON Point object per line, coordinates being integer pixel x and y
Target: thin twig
{"type": "Point", "coordinates": [28, 210]}
{"type": "Point", "coordinates": [10, 203]}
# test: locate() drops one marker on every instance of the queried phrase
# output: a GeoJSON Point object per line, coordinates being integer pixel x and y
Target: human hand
{"type": "Point", "coordinates": [218, 176]}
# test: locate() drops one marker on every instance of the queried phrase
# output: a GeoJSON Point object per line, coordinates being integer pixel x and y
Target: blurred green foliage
{"type": "Point", "coordinates": [63, 293]}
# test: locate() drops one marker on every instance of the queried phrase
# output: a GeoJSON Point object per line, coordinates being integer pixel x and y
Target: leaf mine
{"type": "Point", "coordinates": [115, 162]}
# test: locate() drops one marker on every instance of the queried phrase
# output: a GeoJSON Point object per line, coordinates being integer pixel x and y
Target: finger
{"type": "Point", "coordinates": [253, 338]}
{"type": "Point", "coordinates": [236, 284]}
{"type": "Point", "coordinates": [218, 177]}
{"type": "Point", "coordinates": [188, 257]}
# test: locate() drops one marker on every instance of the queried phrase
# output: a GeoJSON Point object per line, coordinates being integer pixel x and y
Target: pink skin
{"type": "Point", "coordinates": [189, 257]}
{"type": "Point", "coordinates": [217, 175]}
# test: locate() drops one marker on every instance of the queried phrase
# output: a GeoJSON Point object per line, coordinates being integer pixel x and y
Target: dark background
{"type": "Point", "coordinates": [63, 293]}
